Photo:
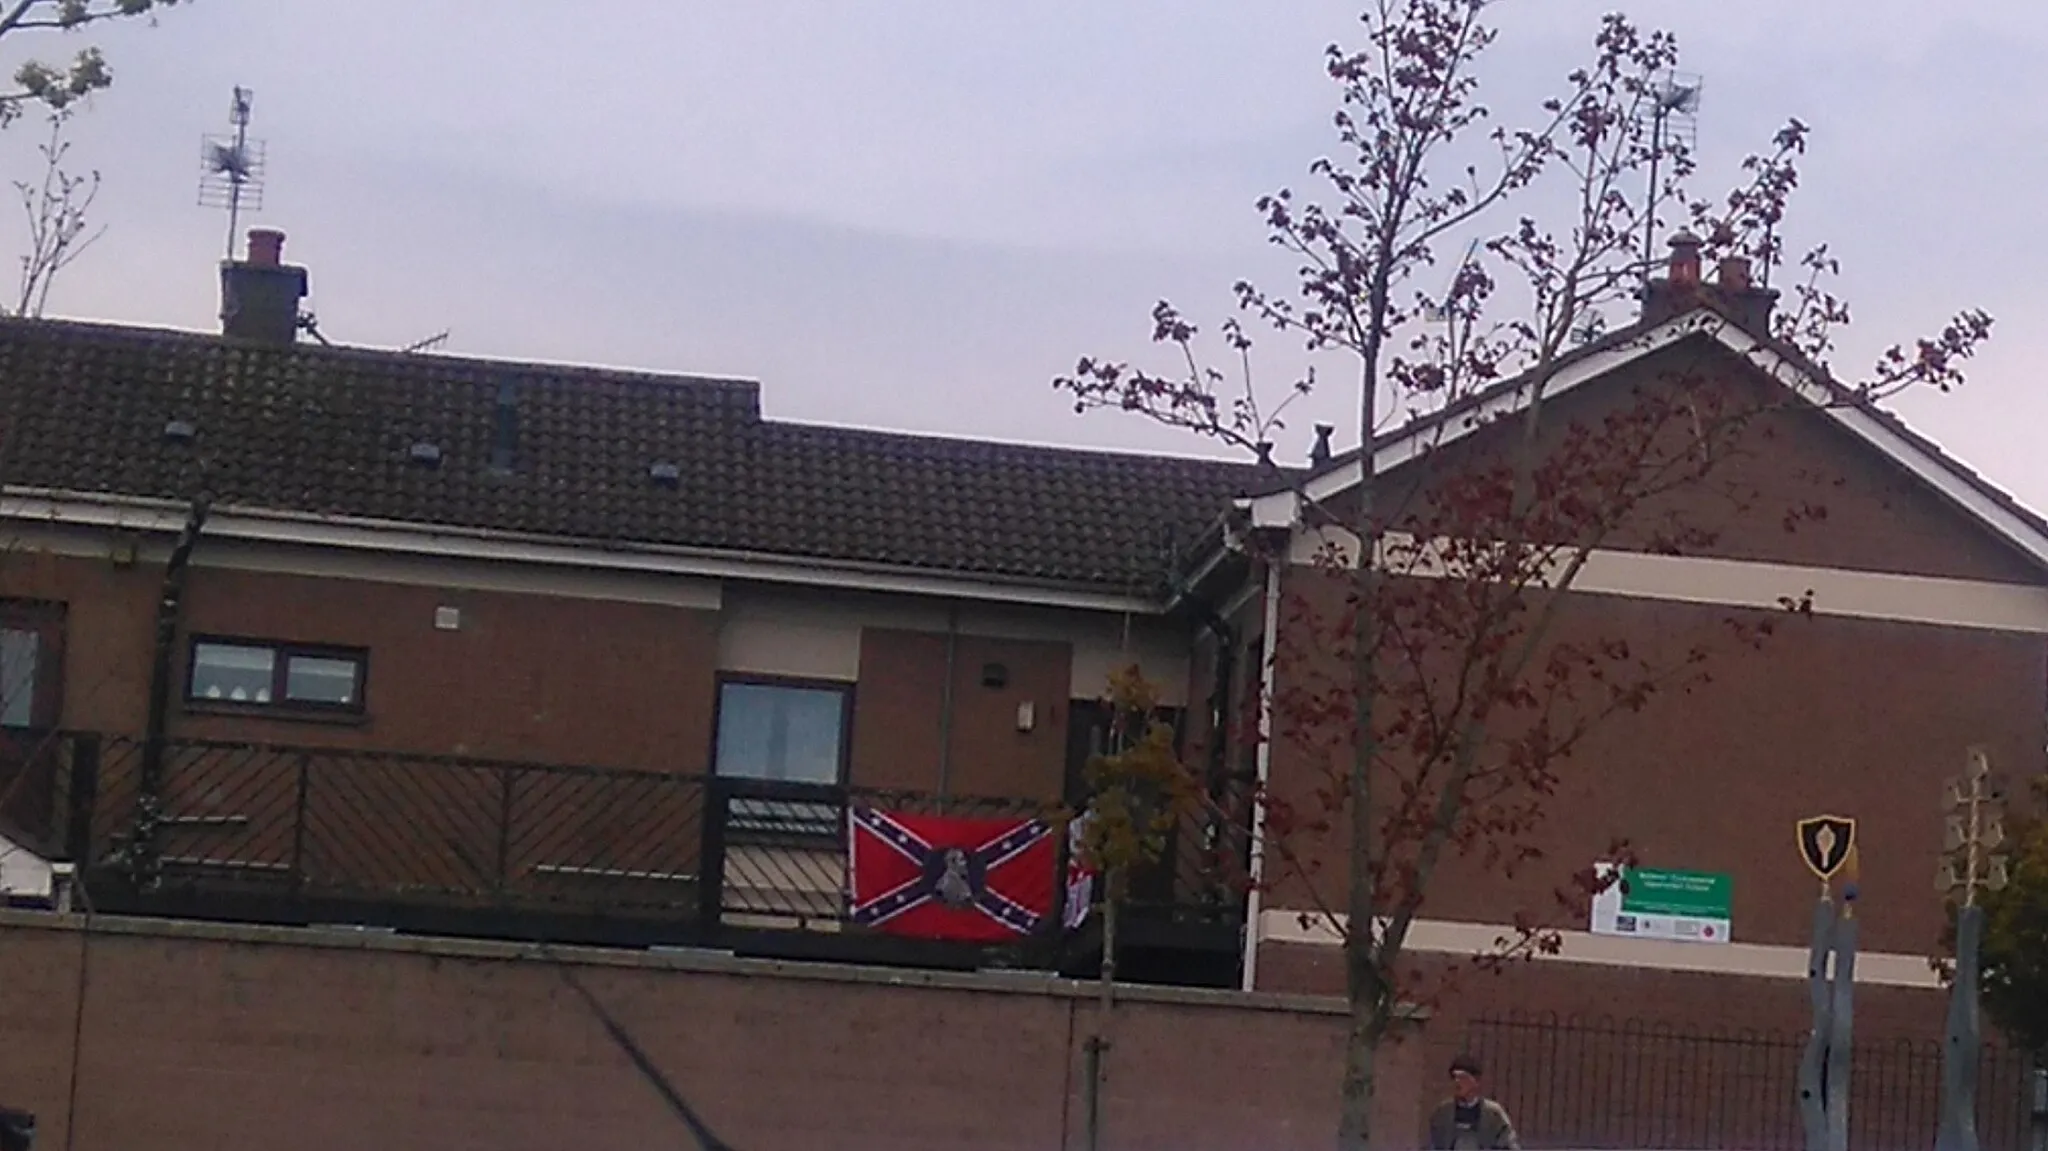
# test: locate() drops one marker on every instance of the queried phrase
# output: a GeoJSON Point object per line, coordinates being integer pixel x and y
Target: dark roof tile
{"type": "Point", "coordinates": [331, 431]}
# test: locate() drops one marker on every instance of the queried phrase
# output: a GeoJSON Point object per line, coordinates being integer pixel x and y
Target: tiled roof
{"type": "Point", "coordinates": [332, 431]}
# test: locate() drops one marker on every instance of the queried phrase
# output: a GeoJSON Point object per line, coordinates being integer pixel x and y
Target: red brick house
{"type": "Point", "coordinates": [524, 650]}
{"type": "Point", "coordinates": [520, 648]}
{"type": "Point", "coordinates": [1928, 612]}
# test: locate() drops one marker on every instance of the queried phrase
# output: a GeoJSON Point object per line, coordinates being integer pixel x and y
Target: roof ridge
{"type": "Point", "coordinates": [946, 439]}
{"type": "Point", "coordinates": [141, 333]}
{"type": "Point", "coordinates": [1423, 421]}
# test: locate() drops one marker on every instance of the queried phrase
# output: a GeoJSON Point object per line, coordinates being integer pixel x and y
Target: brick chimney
{"type": "Point", "coordinates": [259, 296]}
{"type": "Point", "coordinates": [1679, 289]}
{"type": "Point", "coordinates": [1682, 288]}
{"type": "Point", "coordinates": [1745, 302]}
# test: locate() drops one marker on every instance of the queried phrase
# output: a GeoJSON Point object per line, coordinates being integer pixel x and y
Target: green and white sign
{"type": "Point", "coordinates": [1646, 903]}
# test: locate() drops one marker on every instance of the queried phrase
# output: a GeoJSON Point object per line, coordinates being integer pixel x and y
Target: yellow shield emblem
{"type": "Point", "coordinates": [1826, 842]}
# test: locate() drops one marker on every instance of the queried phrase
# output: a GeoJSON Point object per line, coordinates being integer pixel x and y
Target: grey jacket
{"type": "Point", "coordinates": [1496, 1131]}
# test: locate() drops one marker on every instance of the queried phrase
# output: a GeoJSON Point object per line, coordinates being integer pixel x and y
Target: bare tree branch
{"type": "Point", "coordinates": [1437, 708]}
{"type": "Point", "coordinates": [58, 209]}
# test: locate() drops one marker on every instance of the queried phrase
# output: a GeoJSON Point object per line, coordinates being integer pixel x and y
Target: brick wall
{"type": "Point", "coordinates": [560, 679]}
{"type": "Point", "coordinates": [217, 1038]}
{"type": "Point", "coordinates": [109, 619]}
{"type": "Point", "coordinates": [1877, 517]}
{"type": "Point", "coordinates": [1855, 717]}
{"type": "Point", "coordinates": [525, 677]}
{"type": "Point", "coordinates": [897, 729]}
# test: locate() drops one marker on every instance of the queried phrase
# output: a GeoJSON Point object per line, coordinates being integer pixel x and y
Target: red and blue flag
{"type": "Point", "coordinates": [942, 877]}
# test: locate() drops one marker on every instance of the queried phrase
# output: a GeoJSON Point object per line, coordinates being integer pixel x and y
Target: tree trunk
{"type": "Point", "coordinates": [1363, 981]}
{"type": "Point", "coordinates": [1361, 1050]}
{"type": "Point", "coordinates": [1096, 1054]}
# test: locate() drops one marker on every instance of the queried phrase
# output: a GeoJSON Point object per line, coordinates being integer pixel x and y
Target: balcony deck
{"type": "Point", "coordinates": [546, 852]}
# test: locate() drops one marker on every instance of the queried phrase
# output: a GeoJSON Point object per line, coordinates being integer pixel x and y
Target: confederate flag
{"type": "Point", "coordinates": [972, 880]}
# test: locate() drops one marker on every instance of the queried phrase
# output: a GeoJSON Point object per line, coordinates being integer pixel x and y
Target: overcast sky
{"type": "Point", "coordinates": [913, 213]}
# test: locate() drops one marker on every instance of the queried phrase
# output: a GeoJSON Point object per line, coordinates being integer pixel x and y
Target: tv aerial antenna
{"type": "Point", "coordinates": [1674, 110]}
{"type": "Point", "coordinates": [419, 347]}
{"type": "Point", "coordinates": [231, 168]}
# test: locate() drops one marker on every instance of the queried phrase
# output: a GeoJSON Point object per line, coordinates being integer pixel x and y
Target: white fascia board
{"type": "Point", "coordinates": [1894, 598]}
{"type": "Point", "coordinates": [1883, 436]}
{"type": "Point", "coordinates": [1281, 509]}
{"type": "Point", "coordinates": [162, 516]}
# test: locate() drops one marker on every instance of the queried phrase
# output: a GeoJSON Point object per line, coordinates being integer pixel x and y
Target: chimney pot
{"type": "Point", "coordinates": [1733, 274]}
{"type": "Point", "coordinates": [1685, 258]}
{"type": "Point", "coordinates": [266, 247]}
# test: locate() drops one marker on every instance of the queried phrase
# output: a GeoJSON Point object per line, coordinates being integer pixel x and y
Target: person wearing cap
{"type": "Point", "coordinates": [1468, 1120]}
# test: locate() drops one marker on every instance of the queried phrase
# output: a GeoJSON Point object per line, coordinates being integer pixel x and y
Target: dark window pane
{"type": "Point", "coordinates": [18, 653]}
{"type": "Point", "coordinates": [774, 732]}
{"type": "Point", "coordinates": [320, 679]}
{"type": "Point", "coordinates": [232, 672]}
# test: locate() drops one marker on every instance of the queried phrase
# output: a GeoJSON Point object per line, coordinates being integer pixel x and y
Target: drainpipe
{"type": "Point", "coordinates": [1254, 900]}
{"type": "Point", "coordinates": [1220, 679]}
{"type": "Point", "coordinates": [169, 613]}
{"type": "Point", "coordinates": [1226, 668]}
{"type": "Point", "coordinates": [1213, 833]}
{"type": "Point", "coordinates": [946, 698]}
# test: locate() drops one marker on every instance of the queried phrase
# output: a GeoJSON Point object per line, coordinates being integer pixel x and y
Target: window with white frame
{"type": "Point", "coordinates": [20, 655]}
{"type": "Point", "coordinates": [284, 677]}
{"type": "Point", "coordinates": [782, 731]}
{"type": "Point", "coordinates": [31, 663]}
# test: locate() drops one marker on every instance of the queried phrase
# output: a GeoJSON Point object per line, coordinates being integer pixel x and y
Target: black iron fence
{"type": "Point", "coordinates": [382, 838]}
{"type": "Point", "coordinates": [507, 849]}
{"type": "Point", "coordinates": [1200, 875]}
{"type": "Point", "coordinates": [34, 788]}
{"type": "Point", "coordinates": [1630, 1084]}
